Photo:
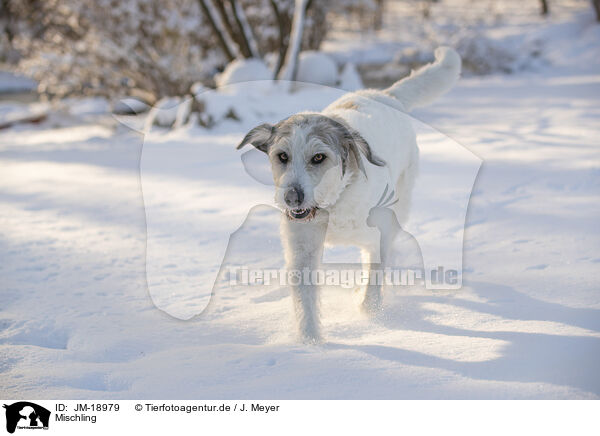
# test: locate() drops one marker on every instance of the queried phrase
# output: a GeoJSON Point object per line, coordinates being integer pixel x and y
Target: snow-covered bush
{"type": "Point", "coordinates": [412, 58]}
{"type": "Point", "coordinates": [368, 14]}
{"type": "Point", "coordinates": [163, 113]}
{"type": "Point", "coordinates": [143, 48]}
{"type": "Point", "coordinates": [147, 48]}
{"type": "Point", "coordinates": [482, 55]}
{"type": "Point", "coordinates": [183, 111]}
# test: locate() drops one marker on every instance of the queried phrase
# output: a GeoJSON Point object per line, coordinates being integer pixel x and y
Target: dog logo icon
{"type": "Point", "coordinates": [26, 415]}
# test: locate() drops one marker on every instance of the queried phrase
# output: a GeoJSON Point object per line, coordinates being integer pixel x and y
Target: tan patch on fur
{"type": "Point", "coordinates": [348, 104]}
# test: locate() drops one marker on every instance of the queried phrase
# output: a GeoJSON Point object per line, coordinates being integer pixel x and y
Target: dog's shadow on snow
{"type": "Point", "coordinates": [529, 357]}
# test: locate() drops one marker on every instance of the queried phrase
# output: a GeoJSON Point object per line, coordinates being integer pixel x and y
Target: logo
{"type": "Point", "coordinates": [26, 415]}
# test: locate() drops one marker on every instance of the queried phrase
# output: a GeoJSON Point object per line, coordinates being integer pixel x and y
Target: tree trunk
{"type": "Point", "coordinates": [596, 4]}
{"type": "Point", "coordinates": [544, 5]}
{"type": "Point", "coordinates": [227, 45]}
{"type": "Point", "coordinates": [378, 21]}
{"type": "Point", "coordinates": [6, 19]}
{"type": "Point", "coordinates": [233, 35]}
{"type": "Point", "coordinates": [245, 30]}
{"type": "Point", "coordinates": [290, 67]}
{"type": "Point", "coordinates": [283, 37]}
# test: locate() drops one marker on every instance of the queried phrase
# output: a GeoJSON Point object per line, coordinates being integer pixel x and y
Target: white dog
{"type": "Point", "coordinates": [331, 168]}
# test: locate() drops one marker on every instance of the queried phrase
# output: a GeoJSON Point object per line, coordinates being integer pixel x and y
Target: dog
{"type": "Point", "coordinates": [330, 169]}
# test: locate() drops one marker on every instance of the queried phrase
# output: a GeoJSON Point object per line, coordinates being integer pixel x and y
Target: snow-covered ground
{"type": "Point", "coordinates": [77, 320]}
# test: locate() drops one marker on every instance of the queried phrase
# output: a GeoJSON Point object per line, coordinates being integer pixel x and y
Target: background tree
{"type": "Point", "coordinates": [145, 48]}
{"type": "Point", "coordinates": [250, 37]}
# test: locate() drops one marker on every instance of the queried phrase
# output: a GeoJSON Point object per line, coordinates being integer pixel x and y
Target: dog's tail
{"type": "Point", "coordinates": [428, 83]}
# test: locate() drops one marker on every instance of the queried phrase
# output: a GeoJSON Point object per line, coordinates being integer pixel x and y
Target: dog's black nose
{"type": "Point", "coordinates": [294, 196]}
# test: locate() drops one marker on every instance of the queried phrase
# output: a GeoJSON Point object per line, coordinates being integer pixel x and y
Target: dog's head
{"type": "Point", "coordinates": [313, 158]}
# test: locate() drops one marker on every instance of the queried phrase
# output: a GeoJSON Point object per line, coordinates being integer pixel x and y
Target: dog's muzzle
{"type": "Point", "coordinates": [301, 214]}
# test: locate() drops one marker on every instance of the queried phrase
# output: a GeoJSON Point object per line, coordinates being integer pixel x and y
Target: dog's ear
{"type": "Point", "coordinates": [357, 145]}
{"type": "Point", "coordinates": [259, 137]}
{"type": "Point", "coordinates": [347, 141]}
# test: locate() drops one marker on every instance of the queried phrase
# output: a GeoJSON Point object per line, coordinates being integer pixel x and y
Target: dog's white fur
{"type": "Point", "coordinates": [345, 199]}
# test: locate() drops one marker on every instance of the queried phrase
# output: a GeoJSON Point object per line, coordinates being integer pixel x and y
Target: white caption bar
{"type": "Point", "coordinates": [296, 417]}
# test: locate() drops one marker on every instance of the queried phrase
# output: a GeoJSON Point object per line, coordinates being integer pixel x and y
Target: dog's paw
{"type": "Point", "coordinates": [310, 337]}
{"type": "Point", "coordinates": [311, 340]}
{"type": "Point", "coordinates": [372, 306]}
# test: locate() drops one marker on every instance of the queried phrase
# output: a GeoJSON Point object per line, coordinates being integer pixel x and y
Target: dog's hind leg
{"type": "Point", "coordinates": [373, 299]}
{"type": "Point", "coordinates": [386, 222]}
{"type": "Point", "coordinates": [303, 248]}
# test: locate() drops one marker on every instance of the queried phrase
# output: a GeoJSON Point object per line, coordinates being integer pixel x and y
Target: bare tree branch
{"type": "Point", "coordinates": [234, 34]}
{"type": "Point", "coordinates": [245, 30]}
{"type": "Point", "coordinates": [227, 45]}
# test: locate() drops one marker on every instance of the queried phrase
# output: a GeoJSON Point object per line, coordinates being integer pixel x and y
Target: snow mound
{"type": "Point", "coordinates": [243, 70]}
{"type": "Point", "coordinates": [350, 79]}
{"type": "Point", "coordinates": [317, 67]}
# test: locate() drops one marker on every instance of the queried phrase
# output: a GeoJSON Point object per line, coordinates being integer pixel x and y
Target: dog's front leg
{"type": "Point", "coordinates": [303, 247]}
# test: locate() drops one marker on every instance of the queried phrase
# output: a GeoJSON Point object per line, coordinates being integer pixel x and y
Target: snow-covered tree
{"type": "Point", "coordinates": [254, 28]}
{"type": "Point", "coordinates": [145, 48]}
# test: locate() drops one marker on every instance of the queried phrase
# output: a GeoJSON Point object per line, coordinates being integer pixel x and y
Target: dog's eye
{"type": "Point", "coordinates": [283, 157]}
{"type": "Point", "coordinates": [318, 158]}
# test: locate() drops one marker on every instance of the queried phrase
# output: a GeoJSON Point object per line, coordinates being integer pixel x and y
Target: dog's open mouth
{"type": "Point", "coordinates": [301, 214]}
